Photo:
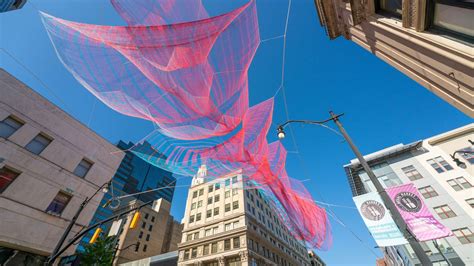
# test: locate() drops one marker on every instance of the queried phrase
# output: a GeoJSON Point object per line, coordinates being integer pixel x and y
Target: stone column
{"type": "Point", "coordinates": [244, 257]}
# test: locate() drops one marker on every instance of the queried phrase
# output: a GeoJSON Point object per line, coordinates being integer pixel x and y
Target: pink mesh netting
{"type": "Point", "coordinates": [187, 73]}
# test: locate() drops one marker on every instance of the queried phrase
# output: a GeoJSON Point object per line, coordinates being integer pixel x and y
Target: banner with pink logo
{"type": "Point", "coordinates": [420, 221]}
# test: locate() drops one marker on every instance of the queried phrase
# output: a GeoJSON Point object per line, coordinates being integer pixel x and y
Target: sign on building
{"type": "Point", "coordinates": [378, 220]}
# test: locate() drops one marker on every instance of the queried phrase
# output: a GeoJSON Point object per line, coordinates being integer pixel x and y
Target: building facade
{"type": "Point", "coordinates": [315, 260]}
{"type": "Point", "coordinates": [50, 163]}
{"type": "Point", "coordinates": [9, 5]}
{"type": "Point", "coordinates": [447, 190]}
{"type": "Point", "coordinates": [156, 232]}
{"type": "Point", "coordinates": [134, 175]}
{"type": "Point", "coordinates": [430, 41]}
{"type": "Point", "coordinates": [227, 224]}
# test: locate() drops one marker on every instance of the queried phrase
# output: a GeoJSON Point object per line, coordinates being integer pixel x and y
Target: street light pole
{"type": "Point", "coordinates": [420, 253]}
{"type": "Point", "coordinates": [74, 219]}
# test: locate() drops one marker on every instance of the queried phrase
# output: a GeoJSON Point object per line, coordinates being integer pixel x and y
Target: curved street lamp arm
{"type": "Point", "coordinates": [335, 117]}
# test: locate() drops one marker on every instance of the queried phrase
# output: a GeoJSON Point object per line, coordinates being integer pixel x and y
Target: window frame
{"type": "Point", "coordinates": [63, 207]}
{"type": "Point", "coordinates": [15, 119]}
{"type": "Point", "coordinates": [14, 172]}
{"type": "Point", "coordinates": [447, 33]}
{"type": "Point", "coordinates": [43, 135]}
{"type": "Point", "coordinates": [85, 160]}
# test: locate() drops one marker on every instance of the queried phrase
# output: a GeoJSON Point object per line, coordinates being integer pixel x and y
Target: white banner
{"type": "Point", "coordinates": [114, 229]}
{"type": "Point", "coordinates": [378, 220]}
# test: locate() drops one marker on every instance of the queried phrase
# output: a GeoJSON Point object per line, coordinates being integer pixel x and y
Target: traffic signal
{"type": "Point", "coordinates": [95, 235]}
{"type": "Point", "coordinates": [135, 220]}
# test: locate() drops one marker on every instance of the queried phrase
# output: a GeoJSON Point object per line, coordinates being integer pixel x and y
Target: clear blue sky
{"type": "Point", "coordinates": [382, 106]}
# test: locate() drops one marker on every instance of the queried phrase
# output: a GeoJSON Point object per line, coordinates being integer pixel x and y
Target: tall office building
{"type": "Point", "coordinates": [134, 175]}
{"type": "Point", "coordinates": [49, 164]}
{"type": "Point", "coordinates": [446, 186]}
{"type": "Point", "coordinates": [227, 224]}
{"type": "Point", "coordinates": [9, 5]}
{"type": "Point", "coordinates": [156, 232]}
{"type": "Point", "coordinates": [430, 41]}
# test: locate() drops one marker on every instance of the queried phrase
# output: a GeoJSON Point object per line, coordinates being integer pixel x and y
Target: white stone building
{"type": "Point", "coordinates": [226, 224]}
{"type": "Point", "coordinates": [447, 190]}
{"type": "Point", "coordinates": [50, 163]}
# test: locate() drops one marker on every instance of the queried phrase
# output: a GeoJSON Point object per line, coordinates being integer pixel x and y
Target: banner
{"type": "Point", "coordinates": [418, 218]}
{"type": "Point", "coordinates": [378, 220]}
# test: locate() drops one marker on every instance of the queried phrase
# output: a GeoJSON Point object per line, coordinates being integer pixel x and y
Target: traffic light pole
{"type": "Point", "coordinates": [54, 256]}
{"type": "Point", "coordinates": [415, 245]}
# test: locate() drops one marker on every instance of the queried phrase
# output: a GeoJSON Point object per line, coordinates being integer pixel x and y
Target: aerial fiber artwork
{"type": "Point", "coordinates": [187, 73]}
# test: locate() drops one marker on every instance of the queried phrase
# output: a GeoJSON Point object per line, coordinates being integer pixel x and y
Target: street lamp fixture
{"type": "Point", "coordinates": [458, 162]}
{"type": "Point", "coordinates": [281, 132]}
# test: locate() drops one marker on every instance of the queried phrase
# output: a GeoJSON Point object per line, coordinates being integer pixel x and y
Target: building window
{"type": "Point", "coordinates": [6, 177]}
{"type": "Point", "coordinates": [216, 211]}
{"type": "Point", "coordinates": [453, 17]}
{"type": "Point", "coordinates": [199, 204]}
{"type": "Point", "coordinates": [464, 235]}
{"type": "Point", "coordinates": [444, 212]}
{"type": "Point", "coordinates": [193, 253]}
{"type": "Point", "coordinates": [208, 213]}
{"type": "Point", "coordinates": [195, 194]}
{"type": "Point", "coordinates": [191, 218]}
{"type": "Point", "coordinates": [144, 248]}
{"type": "Point", "coordinates": [217, 198]}
{"type": "Point", "coordinates": [198, 217]}
{"type": "Point", "coordinates": [235, 205]}
{"type": "Point", "coordinates": [207, 232]}
{"type": "Point", "coordinates": [470, 202]}
{"type": "Point", "coordinates": [236, 242]}
{"type": "Point", "coordinates": [227, 244]}
{"type": "Point", "coordinates": [227, 194]}
{"type": "Point", "coordinates": [211, 188]}
{"type": "Point", "coordinates": [391, 8]}
{"type": "Point", "coordinates": [236, 224]}
{"type": "Point", "coordinates": [214, 247]}
{"type": "Point", "coordinates": [217, 186]}
{"type": "Point", "coordinates": [428, 192]}
{"type": "Point", "coordinates": [439, 164]}
{"type": "Point", "coordinates": [186, 254]}
{"type": "Point", "coordinates": [148, 237]}
{"type": "Point", "coordinates": [234, 180]}
{"type": "Point", "coordinates": [463, 182]}
{"type": "Point", "coordinates": [459, 183]}
{"type": "Point", "coordinates": [140, 235]}
{"type": "Point", "coordinates": [228, 227]}
{"type": "Point", "coordinates": [143, 225]}
{"type": "Point", "coordinates": [215, 230]}
{"type": "Point", "coordinates": [146, 215]}
{"type": "Point", "coordinates": [468, 156]}
{"type": "Point", "coordinates": [201, 191]}
{"type": "Point", "coordinates": [205, 250]}
{"type": "Point", "coordinates": [153, 219]}
{"type": "Point", "coordinates": [38, 144]}
{"type": "Point", "coordinates": [209, 200]}
{"type": "Point", "coordinates": [235, 191]}
{"type": "Point", "coordinates": [8, 126]}
{"type": "Point", "coordinates": [189, 237]}
{"type": "Point", "coordinates": [59, 203]}
{"type": "Point", "coordinates": [196, 235]}
{"type": "Point", "coordinates": [193, 205]}
{"type": "Point", "coordinates": [150, 227]}
{"type": "Point", "coordinates": [137, 246]}
{"type": "Point", "coordinates": [83, 168]}
{"type": "Point", "coordinates": [227, 182]}
{"type": "Point", "coordinates": [411, 172]}
{"type": "Point", "coordinates": [227, 207]}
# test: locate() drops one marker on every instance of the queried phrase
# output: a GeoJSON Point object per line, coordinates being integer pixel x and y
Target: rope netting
{"type": "Point", "coordinates": [187, 72]}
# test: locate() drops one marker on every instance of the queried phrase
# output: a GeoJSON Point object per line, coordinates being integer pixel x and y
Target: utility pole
{"type": "Point", "coordinates": [415, 245]}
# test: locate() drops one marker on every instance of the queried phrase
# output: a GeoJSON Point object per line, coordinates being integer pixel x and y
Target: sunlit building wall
{"type": "Point", "coordinates": [447, 190]}
{"type": "Point", "coordinates": [430, 41]}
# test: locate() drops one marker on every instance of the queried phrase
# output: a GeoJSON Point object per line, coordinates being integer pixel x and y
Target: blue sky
{"type": "Point", "coordinates": [382, 106]}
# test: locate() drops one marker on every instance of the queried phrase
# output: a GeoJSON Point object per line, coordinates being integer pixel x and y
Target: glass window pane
{"type": "Point", "coordinates": [454, 18]}
{"type": "Point", "coordinates": [391, 6]}
{"type": "Point", "coordinates": [38, 144]}
{"type": "Point", "coordinates": [59, 203]}
{"type": "Point", "coordinates": [8, 126]}
{"type": "Point", "coordinates": [82, 168]}
{"type": "Point", "coordinates": [6, 178]}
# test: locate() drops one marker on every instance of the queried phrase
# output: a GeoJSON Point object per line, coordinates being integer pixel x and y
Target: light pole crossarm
{"type": "Point", "coordinates": [310, 121]}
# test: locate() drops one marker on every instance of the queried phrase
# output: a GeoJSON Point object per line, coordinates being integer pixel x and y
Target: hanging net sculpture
{"type": "Point", "coordinates": [187, 72]}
